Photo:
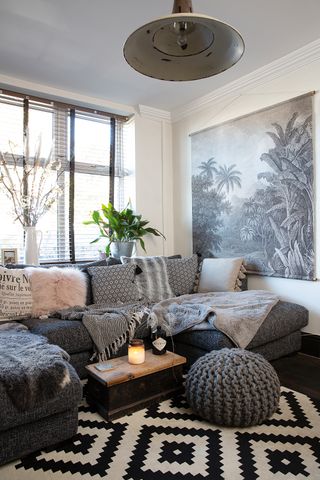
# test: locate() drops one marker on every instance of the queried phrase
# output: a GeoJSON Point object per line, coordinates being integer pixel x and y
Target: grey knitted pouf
{"type": "Point", "coordinates": [233, 387]}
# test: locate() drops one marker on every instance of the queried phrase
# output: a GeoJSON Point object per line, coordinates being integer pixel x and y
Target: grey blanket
{"type": "Point", "coordinates": [109, 327]}
{"type": "Point", "coordinates": [236, 314]}
{"type": "Point", "coordinates": [31, 370]}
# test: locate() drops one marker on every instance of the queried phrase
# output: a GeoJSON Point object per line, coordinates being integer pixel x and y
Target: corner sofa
{"type": "Point", "coordinates": [24, 432]}
{"type": "Point", "coordinates": [278, 336]}
{"type": "Point", "coordinates": [48, 423]}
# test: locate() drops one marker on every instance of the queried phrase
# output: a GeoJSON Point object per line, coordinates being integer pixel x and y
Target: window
{"type": "Point", "coordinates": [90, 147]}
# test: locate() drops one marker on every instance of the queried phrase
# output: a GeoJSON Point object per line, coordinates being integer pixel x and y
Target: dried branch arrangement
{"type": "Point", "coordinates": [31, 182]}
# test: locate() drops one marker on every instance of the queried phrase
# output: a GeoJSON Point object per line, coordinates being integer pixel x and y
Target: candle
{"type": "Point", "coordinates": [136, 352]}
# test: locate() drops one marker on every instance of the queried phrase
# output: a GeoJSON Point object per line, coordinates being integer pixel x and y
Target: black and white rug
{"type": "Point", "coordinates": [168, 442]}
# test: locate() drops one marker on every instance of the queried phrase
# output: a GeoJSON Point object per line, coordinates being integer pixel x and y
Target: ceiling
{"type": "Point", "coordinates": [76, 45]}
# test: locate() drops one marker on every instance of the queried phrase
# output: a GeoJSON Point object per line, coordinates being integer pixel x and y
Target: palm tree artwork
{"type": "Point", "coordinates": [208, 168]}
{"type": "Point", "coordinates": [228, 178]}
{"type": "Point", "coordinates": [253, 194]}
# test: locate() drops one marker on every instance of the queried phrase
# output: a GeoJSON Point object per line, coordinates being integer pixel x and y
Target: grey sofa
{"type": "Point", "coordinates": [21, 433]}
{"type": "Point", "coordinates": [279, 335]}
{"type": "Point", "coordinates": [50, 422]}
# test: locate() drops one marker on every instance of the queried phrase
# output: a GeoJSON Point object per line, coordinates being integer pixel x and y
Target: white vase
{"type": "Point", "coordinates": [32, 245]}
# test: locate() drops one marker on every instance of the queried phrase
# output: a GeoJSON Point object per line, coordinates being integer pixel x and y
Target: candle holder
{"type": "Point", "coordinates": [136, 352]}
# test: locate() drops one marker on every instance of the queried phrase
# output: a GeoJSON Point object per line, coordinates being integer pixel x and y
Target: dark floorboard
{"type": "Point", "coordinates": [300, 372]}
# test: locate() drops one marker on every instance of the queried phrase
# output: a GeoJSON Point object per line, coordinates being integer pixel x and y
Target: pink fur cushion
{"type": "Point", "coordinates": [56, 288]}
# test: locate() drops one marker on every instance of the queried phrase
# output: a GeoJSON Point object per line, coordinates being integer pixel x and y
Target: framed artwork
{"type": "Point", "coordinates": [253, 190]}
{"type": "Point", "coordinates": [9, 255]}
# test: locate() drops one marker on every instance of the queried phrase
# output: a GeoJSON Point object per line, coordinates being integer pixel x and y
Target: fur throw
{"type": "Point", "coordinates": [32, 371]}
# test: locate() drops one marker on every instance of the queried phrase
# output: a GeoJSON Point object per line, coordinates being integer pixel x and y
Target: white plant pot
{"type": "Point", "coordinates": [122, 249]}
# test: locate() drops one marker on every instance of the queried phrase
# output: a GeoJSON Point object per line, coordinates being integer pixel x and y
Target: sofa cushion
{"type": "Point", "coordinates": [152, 278]}
{"type": "Point", "coordinates": [68, 398]}
{"type": "Point", "coordinates": [99, 263]}
{"type": "Point", "coordinates": [56, 288]}
{"type": "Point", "coordinates": [15, 295]}
{"type": "Point", "coordinates": [220, 275]}
{"type": "Point", "coordinates": [283, 319]}
{"type": "Point", "coordinates": [182, 273]}
{"type": "Point", "coordinates": [114, 284]}
{"type": "Point", "coordinates": [71, 335]}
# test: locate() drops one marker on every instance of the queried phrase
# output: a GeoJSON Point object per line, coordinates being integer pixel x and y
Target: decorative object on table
{"type": "Point", "coordinates": [159, 341]}
{"type": "Point", "coordinates": [122, 228]}
{"type": "Point", "coordinates": [31, 183]}
{"type": "Point", "coordinates": [233, 387]}
{"type": "Point", "coordinates": [258, 190]}
{"type": "Point", "coordinates": [183, 46]}
{"type": "Point", "coordinates": [15, 294]}
{"type": "Point", "coordinates": [9, 255]}
{"type": "Point", "coordinates": [102, 255]}
{"type": "Point", "coordinates": [136, 351]}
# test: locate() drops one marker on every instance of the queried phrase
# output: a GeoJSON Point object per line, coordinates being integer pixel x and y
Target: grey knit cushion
{"type": "Point", "coordinates": [233, 387]}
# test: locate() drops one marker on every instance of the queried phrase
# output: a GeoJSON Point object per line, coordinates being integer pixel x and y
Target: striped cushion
{"type": "Point", "coordinates": [152, 282]}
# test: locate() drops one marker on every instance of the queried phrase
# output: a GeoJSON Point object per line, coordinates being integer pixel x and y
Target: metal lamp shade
{"type": "Point", "coordinates": [183, 47]}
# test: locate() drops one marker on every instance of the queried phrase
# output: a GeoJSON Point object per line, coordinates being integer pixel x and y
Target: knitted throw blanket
{"type": "Point", "coordinates": [31, 370]}
{"type": "Point", "coordinates": [236, 314]}
{"type": "Point", "coordinates": [109, 327]}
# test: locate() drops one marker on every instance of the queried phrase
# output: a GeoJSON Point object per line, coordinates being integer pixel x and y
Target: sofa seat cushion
{"type": "Point", "coordinates": [71, 335]}
{"type": "Point", "coordinates": [67, 399]}
{"type": "Point", "coordinates": [283, 319]}
{"type": "Point", "coordinates": [206, 340]}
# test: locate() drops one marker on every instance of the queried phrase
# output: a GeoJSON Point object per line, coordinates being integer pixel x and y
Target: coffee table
{"type": "Point", "coordinates": [126, 388]}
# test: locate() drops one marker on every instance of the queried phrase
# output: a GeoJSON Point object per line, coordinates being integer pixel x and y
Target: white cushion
{"type": "Point", "coordinates": [15, 294]}
{"type": "Point", "coordinates": [219, 274]}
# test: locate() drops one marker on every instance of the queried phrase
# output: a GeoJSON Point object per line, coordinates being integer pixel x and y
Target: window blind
{"type": "Point", "coordinates": [89, 148]}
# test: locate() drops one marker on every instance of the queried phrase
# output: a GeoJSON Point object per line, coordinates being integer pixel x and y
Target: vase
{"type": "Point", "coordinates": [32, 245]}
{"type": "Point", "coordinates": [122, 249]}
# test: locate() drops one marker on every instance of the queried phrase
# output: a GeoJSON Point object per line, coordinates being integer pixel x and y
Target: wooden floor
{"type": "Point", "coordinates": [300, 372]}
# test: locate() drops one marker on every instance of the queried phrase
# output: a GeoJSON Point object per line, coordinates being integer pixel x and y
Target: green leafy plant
{"type": "Point", "coordinates": [120, 226]}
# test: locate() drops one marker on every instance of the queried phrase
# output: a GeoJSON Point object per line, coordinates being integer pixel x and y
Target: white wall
{"type": "Point", "coordinates": [153, 154]}
{"type": "Point", "coordinates": [287, 85]}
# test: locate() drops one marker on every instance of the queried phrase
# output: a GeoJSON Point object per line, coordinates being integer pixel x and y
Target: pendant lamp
{"type": "Point", "coordinates": [183, 46]}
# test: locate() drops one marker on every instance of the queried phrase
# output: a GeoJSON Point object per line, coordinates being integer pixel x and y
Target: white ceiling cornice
{"type": "Point", "coordinates": [154, 113]}
{"type": "Point", "coordinates": [291, 62]}
{"type": "Point", "coordinates": [32, 88]}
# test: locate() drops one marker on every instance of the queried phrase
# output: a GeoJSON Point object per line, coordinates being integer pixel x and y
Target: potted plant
{"type": "Point", "coordinates": [122, 229]}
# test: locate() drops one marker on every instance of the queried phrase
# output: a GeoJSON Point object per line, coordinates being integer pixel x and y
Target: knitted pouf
{"type": "Point", "coordinates": [233, 387]}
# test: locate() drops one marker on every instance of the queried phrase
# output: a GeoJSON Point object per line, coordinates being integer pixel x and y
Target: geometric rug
{"type": "Point", "coordinates": [168, 442]}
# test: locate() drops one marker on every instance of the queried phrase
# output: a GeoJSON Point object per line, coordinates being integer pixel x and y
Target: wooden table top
{"type": "Point", "coordinates": [123, 371]}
